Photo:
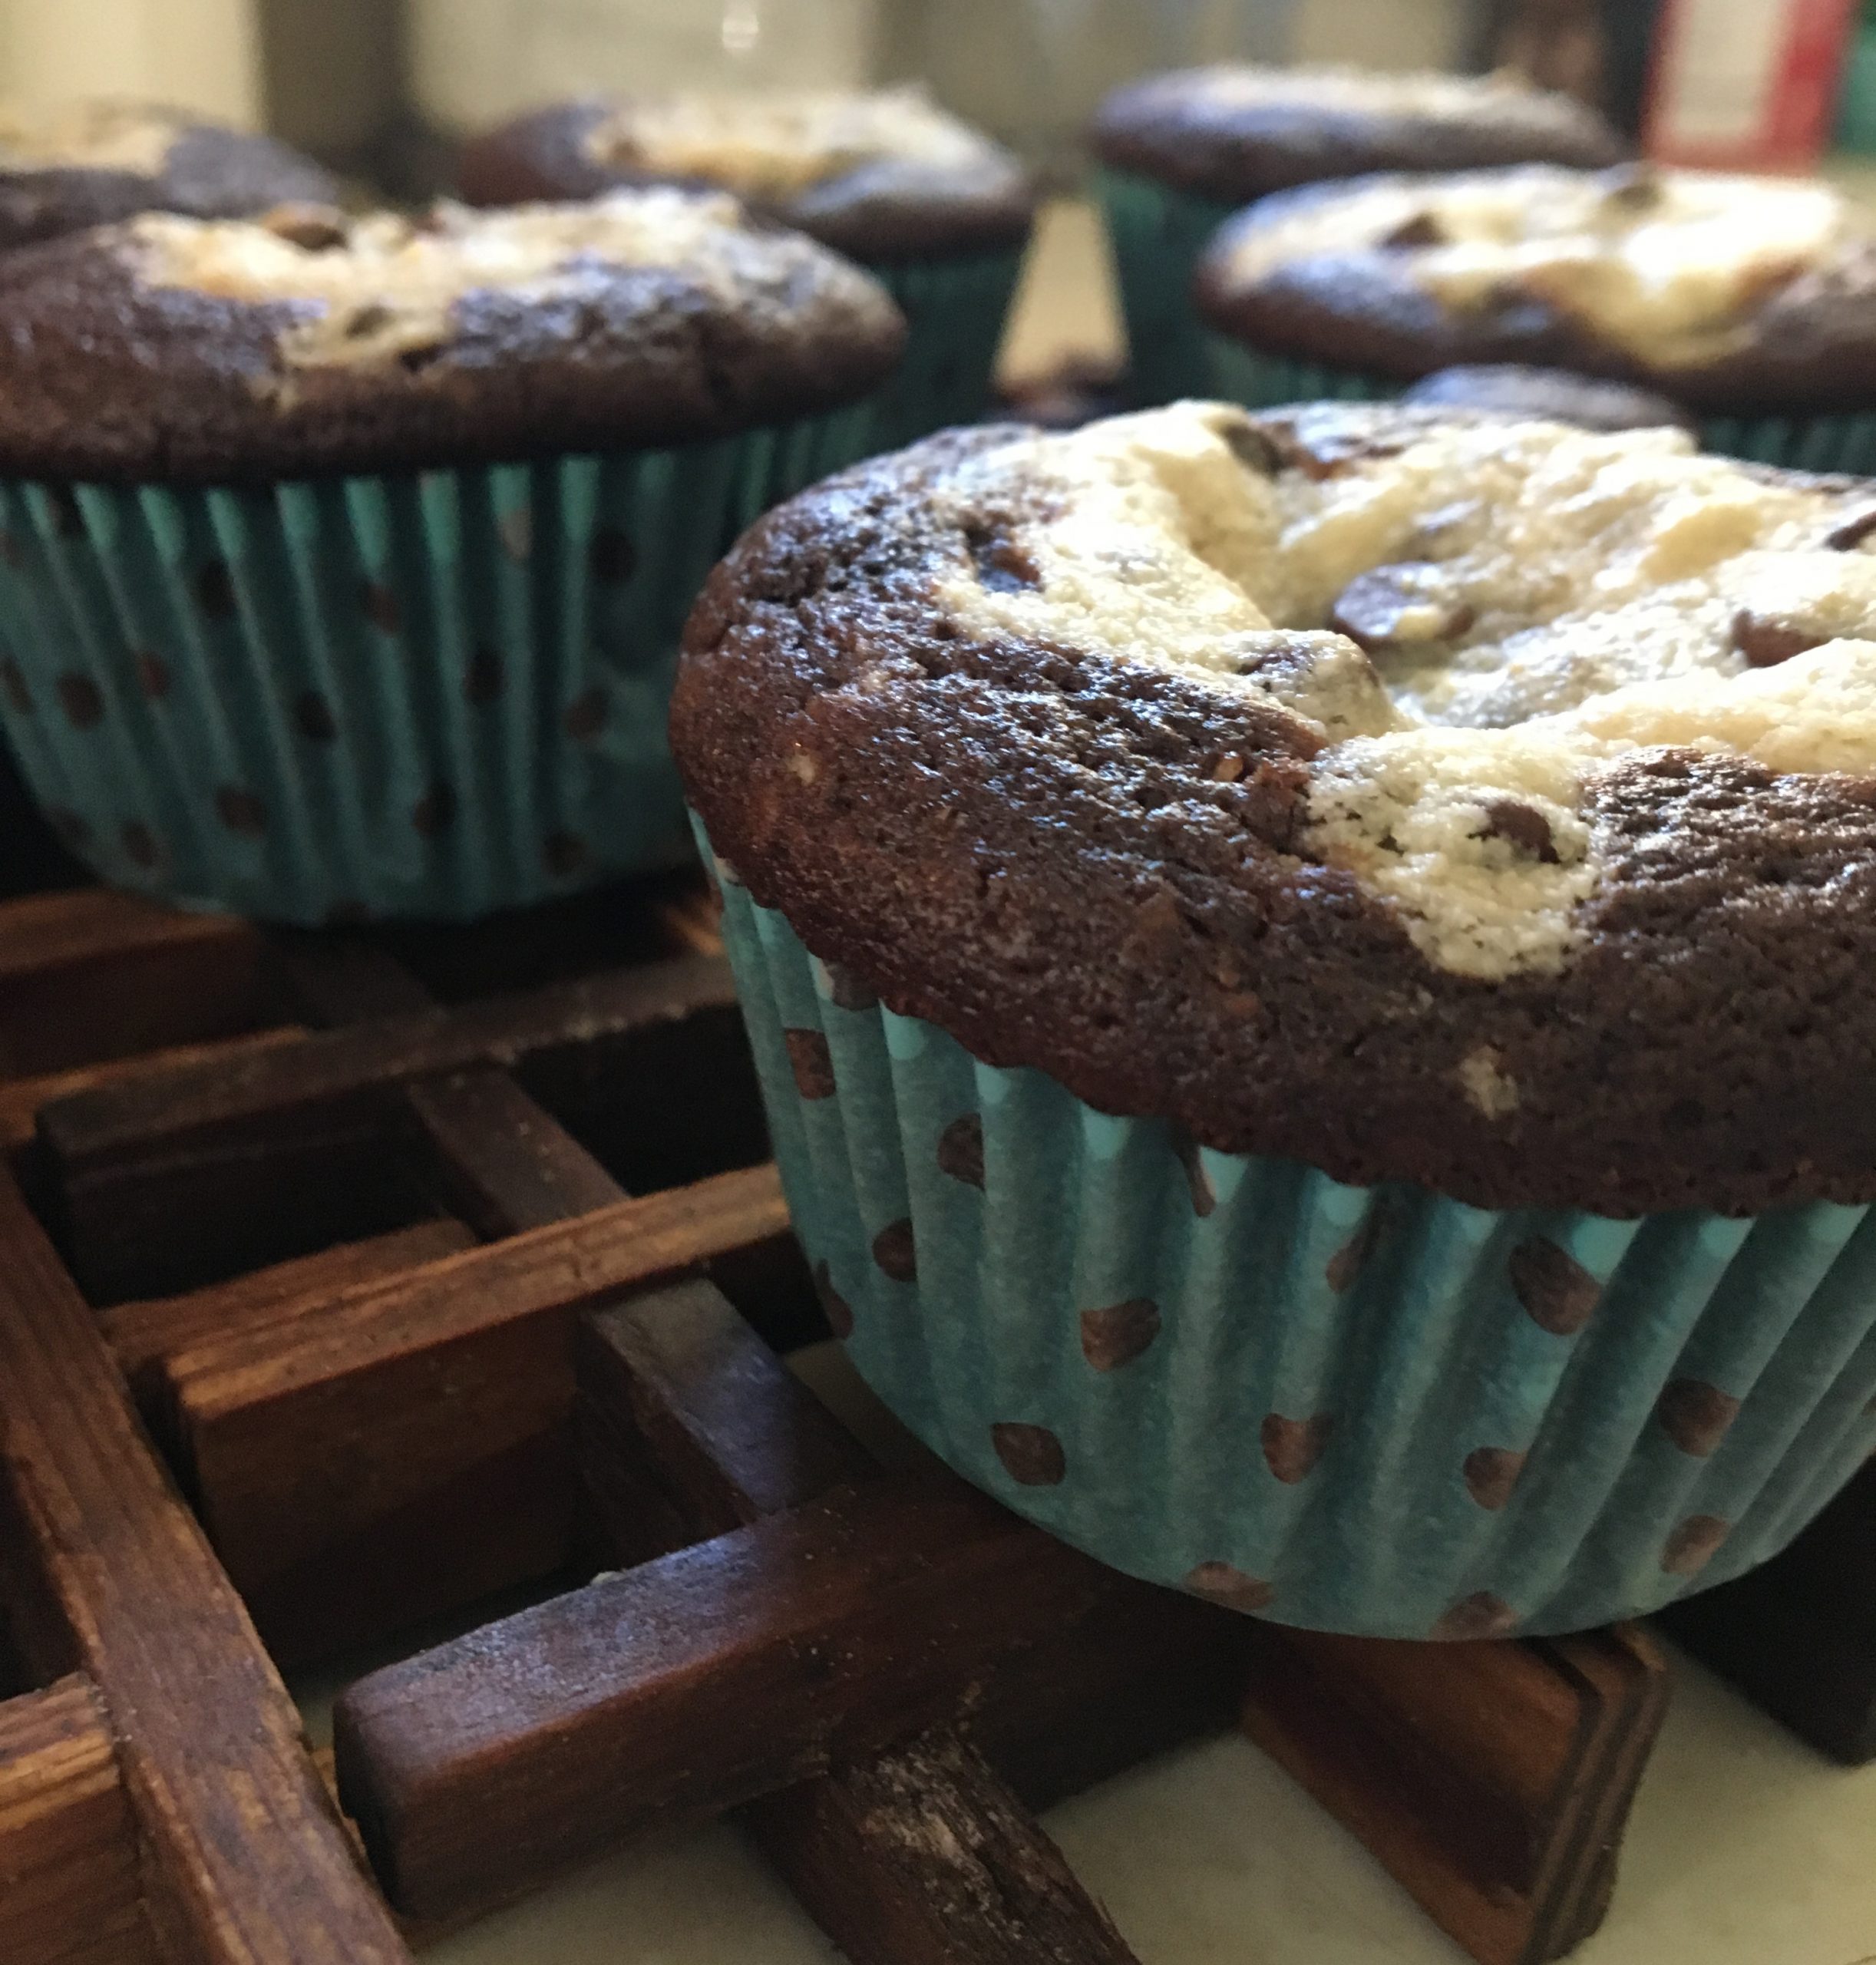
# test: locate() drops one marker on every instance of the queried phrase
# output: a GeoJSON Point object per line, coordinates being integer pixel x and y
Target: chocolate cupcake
{"type": "Point", "coordinates": [1309, 974]}
{"type": "Point", "coordinates": [936, 211]}
{"type": "Point", "coordinates": [1180, 153]}
{"type": "Point", "coordinates": [1547, 396]}
{"type": "Point", "coordinates": [88, 163]}
{"type": "Point", "coordinates": [1747, 301]}
{"type": "Point", "coordinates": [342, 562]}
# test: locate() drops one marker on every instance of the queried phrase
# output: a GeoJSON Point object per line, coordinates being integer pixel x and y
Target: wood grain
{"type": "Point", "coordinates": [104, 1569]}
{"type": "Point", "coordinates": [70, 1889]}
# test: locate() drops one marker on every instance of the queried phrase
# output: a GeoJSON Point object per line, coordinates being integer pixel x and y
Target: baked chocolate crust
{"type": "Point", "coordinates": [1172, 128]}
{"type": "Point", "coordinates": [1550, 395]}
{"type": "Point", "coordinates": [1033, 847]}
{"type": "Point", "coordinates": [882, 211]}
{"type": "Point", "coordinates": [1809, 347]}
{"type": "Point", "coordinates": [105, 377]}
{"type": "Point", "coordinates": [210, 173]}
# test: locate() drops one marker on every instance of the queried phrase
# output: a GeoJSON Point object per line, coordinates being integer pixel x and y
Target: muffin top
{"type": "Point", "coordinates": [1484, 802]}
{"type": "Point", "coordinates": [86, 163]}
{"type": "Point", "coordinates": [885, 176]}
{"type": "Point", "coordinates": [307, 342]}
{"type": "Point", "coordinates": [1551, 395]}
{"type": "Point", "coordinates": [1721, 291]}
{"type": "Point", "coordinates": [1236, 132]}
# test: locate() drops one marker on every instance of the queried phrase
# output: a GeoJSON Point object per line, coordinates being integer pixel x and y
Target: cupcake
{"type": "Point", "coordinates": [1180, 153]}
{"type": "Point", "coordinates": [1309, 976]}
{"type": "Point", "coordinates": [1747, 301]}
{"type": "Point", "coordinates": [933, 210]}
{"type": "Point", "coordinates": [88, 163]}
{"type": "Point", "coordinates": [343, 562]}
{"type": "Point", "coordinates": [1547, 396]}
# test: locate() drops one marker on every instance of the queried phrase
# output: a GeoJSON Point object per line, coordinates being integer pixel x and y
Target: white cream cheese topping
{"type": "Point", "coordinates": [774, 147]}
{"type": "Point", "coordinates": [1366, 91]}
{"type": "Point", "coordinates": [1523, 604]}
{"type": "Point", "coordinates": [1666, 264]}
{"type": "Point", "coordinates": [91, 136]}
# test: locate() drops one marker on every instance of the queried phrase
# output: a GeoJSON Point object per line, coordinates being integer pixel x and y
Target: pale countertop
{"type": "Point", "coordinates": [1746, 1848]}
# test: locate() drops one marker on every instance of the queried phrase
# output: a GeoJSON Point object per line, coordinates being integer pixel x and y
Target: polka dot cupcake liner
{"type": "Point", "coordinates": [1240, 374]}
{"type": "Point", "coordinates": [1370, 1411]}
{"type": "Point", "coordinates": [432, 695]}
{"type": "Point", "coordinates": [1158, 235]}
{"type": "Point", "coordinates": [956, 311]}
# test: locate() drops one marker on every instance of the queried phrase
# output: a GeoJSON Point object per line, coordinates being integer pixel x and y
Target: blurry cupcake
{"type": "Point", "coordinates": [1550, 395]}
{"type": "Point", "coordinates": [1748, 302]}
{"type": "Point", "coordinates": [1180, 153]}
{"type": "Point", "coordinates": [342, 562]}
{"type": "Point", "coordinates": [88, 163]}
{"type": "Point", "coordinates": [1309, 974]}
{"type": "Point", "coordinates": [935, 210]}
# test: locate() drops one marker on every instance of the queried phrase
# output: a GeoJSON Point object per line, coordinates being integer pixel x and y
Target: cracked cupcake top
{"type": "Point", "coordinates": [1247, 701]}
{"type": "Point", "coordinates": [1675, 276]}
{"type": "Point", "coordinates": [308, 340]}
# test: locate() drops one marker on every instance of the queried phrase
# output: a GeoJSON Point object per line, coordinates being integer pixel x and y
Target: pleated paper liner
{"type": "Point", "coordinates": [956, 310]}
{"type": "Point", "coordinates": [1369, 1410]}
{"type": "Point", "coordinates": [432, 695]}
{"type": "Point", "coordinates": [1240, 374]}
{"type": "Point", "coordinates": [1158, 235]}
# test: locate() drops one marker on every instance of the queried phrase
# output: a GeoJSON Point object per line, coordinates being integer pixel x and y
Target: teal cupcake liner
{"type": "Point", "coordinates": [1371, 1410]}
{"type": "Point", "coordinates": [1846, 443]}
{"type": "Point", "coordinates": [432, 694]}
{"type": "Point", "coordinates": [956, 311]}
{"type": "Point", "coordinates": [1159, 234]}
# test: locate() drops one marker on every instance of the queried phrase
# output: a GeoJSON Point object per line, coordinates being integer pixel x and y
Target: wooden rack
{"type": "Point", "coordinates": [345, 1280]}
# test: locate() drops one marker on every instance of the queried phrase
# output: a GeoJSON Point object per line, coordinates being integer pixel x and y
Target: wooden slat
{"type": "Point", "coordinates": [70, 1889]}
{"type": "Point", "coordinates": [104, 1569]}
{"type": "Point", "coordinates": [336, 1452]}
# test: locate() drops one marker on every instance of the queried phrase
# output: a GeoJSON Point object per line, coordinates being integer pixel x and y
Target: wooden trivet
{"type": "Point", "coordinates": [430, 1265]}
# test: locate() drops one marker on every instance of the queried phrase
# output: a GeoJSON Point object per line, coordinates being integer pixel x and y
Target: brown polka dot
{"type": "Point", "coordinates": [960, 1150]}
{"type": "Point", "coordinates": [73, 827]}
{"type": "Point", "coordinates": [1032, 1456]}
{"type": "Point", "coordinates": [139, 843]}
{"type": "Point", "coordinates": [215, 591]}
{"type": "Point", "coordinates": [1520, 826]}
{"type": "Point", "coordinates": [153, 675]}
{"type": "Point", "coordinates": [1559, 1293]}
{"type": "Point", "coordinates": [1480, 1616]}
{"type": "Point", "coordinates": [81, 699]}
{"type": "Point", "coordinates": [585, 716]}
{"type": "Point", "coordinates": [1204, 1195]}
{"type": "Point", "coordinates": [18, 693]}
{"type": "Point", "coordinates": [241, 810]}
{"type": "Point", "coordinates": [812, 1061]}
{"type": "Point", "coordinates": [381, 609]}
{"type": "Point", "coordinates": [612, 556]}
{"type": "Point", "coordinates": [1693, 1545]}
{"type": "Point", "coordinates": [563, 854]}
{"type": "Point", "coordinates": [1351, 1258]}
{"type": "Point", "coordinates": [515, 530]}
{"type": "Point", "coordinates": [1853, 530]}
{"type": "Point", "coordinates": [846, 989]}
{"type": "Point", "coordinates": [482, 680]}
{"type": "Point", "coordinates": [1765, 641]}
{"type": "Point", "coordinates": [1695, 1416]}
{"type": "Point", "coordinates": [435, 812]}
{"type": "Point", "coordinates": [1118, 1334]}
{"type": "Point", "coordinates": [68, 514]}
{"type": "Point", "coordinates": [1220, 1583]}
{"type": "Point", "coordinates": [1292, 1447]}
{"type": "Point", "coordinates": [1491, 1473]}
{"type": "Point", "coordinates": [896, 1251]}
{"type": "Point", "coordinates": [313, 718]}
{"type": "Point", "coordinates": [840, 1313]}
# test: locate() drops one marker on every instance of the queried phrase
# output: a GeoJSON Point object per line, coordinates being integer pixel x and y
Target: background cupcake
{"type": "Point", "coordinates": [936, 211]}
{"type": "Point", "coordinates": [1180, 153]}
{"type": "Point", "coordinates": [1308, 976]}
{"type": "Point", "coordinates": [343, 561]}
{"type": "Point", "coordinates": [88, 163]}
{"type": "Point", "coordinates": [1746, 301]}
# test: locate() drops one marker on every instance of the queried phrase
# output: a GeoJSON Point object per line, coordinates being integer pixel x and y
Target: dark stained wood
{"type": "Point", "coordinates": [1798, 1637]}
{"type": "Point", "coordinates": [663, 1695]}
{"type": "Point", "coordinates": [921, 1857]}
{"type": "Point", "coordinates": [1493, 1780]}
{"type": "Point", "coordinates": [70, 1889]}
{"type": "Point", "coordinates": [336, 1451]}
{"type": "Point", "coordinates": [103, 1569]}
